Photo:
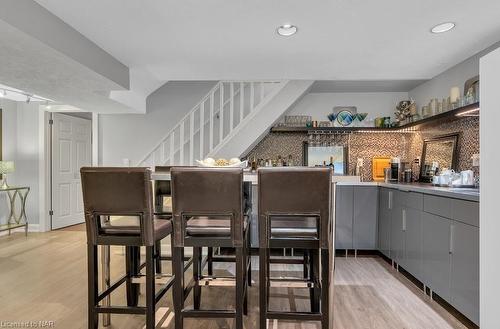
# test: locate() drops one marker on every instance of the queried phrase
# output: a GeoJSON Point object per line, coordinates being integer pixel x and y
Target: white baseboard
{"type": "Point", "coordinates": [31, 228]}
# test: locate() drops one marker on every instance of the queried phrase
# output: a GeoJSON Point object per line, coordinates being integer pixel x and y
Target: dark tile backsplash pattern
{"type": "Point", "coordinates": [368, 145]}
{"type": "Point", "coordinates": [468, 143]}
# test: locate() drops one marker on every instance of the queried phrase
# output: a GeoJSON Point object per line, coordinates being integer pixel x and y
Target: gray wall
{"type": "Point", "coordinates": [132, 136]}
{"type": "Point", "coordinates": [439, 86]}
{"type": "Point", "coordinates": [20, 143]}
{"type": "Point", "coordinates": [377, 104]}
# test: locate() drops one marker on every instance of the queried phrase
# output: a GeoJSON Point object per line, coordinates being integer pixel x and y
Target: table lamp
{"type": "Point", "coordinates": [6, 167]}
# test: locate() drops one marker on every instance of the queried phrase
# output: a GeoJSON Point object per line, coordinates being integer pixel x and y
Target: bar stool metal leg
{"type": "Point", "coordinates": [106, 281]}
{"type": "Point", "coordinates": [132, 260]}
{"type": "Point", "coordinates": [150, 288]}
{"type": "Point", "coordinates": [158, 256]}
{"type": "Point", "coordinates": [314, 272]}
{"type": "Point", "coordinates": [178, 291]}
{"type": "Point", "coordinates": [197, 258]}
{"type": "Point", "coordinates": [325, 289]}
{"type": "Point", "coordinates": [248, 261]}
{"type": "Point", "coordinates": [306, 263]}
{"type": "Point", "coordinates": [93, 318]}
{"type": "Point", "coordinates": [210, 261]}
{"type": "Point", "coordinates": [263, 286]}
{"type": "Point", "coordinates": [240, 286]}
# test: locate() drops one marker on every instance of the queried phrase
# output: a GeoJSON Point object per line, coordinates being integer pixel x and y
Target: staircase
{"type": "Point", "coordinates": [210, 124]}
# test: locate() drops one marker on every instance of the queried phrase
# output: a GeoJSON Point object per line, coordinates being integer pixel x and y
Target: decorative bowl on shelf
{"type": "Point", "coordinates": [362, 116]}
{"type": "Point", "coordinates": [345, 118]}
{"type": "Point", "coordinates": [332, 117]}
{"type": "Point", "coordinates": [357, 119]}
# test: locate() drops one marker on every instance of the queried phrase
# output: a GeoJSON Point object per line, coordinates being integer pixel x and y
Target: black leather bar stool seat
{"type": "Point", "coordinates": [119, 211]}
{"type": "Point", "coordinates": [129, 225]}
{"type": "Point", "coordinates": [208, 211]}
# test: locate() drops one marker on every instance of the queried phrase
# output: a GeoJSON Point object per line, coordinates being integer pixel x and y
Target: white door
{"type": "Point", "coordinates": [71, 150]}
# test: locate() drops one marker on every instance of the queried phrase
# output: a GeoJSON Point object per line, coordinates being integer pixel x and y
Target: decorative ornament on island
{"type": "Point", "coordinates": [233, 162]}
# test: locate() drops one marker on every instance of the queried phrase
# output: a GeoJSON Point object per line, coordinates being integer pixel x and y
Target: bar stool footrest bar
{"type": "Point", "coordinates": [191, 313]}
{"type": "Point", "coordinates": [294, 316]}
{"type": "Point", "coordinates": [121, 309]}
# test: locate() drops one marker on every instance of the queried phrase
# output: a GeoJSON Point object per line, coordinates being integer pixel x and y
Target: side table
{"type": "Point", "coordinates": [15, 219]}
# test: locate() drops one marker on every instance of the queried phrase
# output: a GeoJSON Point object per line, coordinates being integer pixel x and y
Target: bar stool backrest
{"type": "Point", "coordinates": [118, 191]}
{"type": "Point", "coordinates": [211, 192]}
{"type": "Point", "coordinates": [163, 191]}
{"type": "Point", "coordinates": [295, 192]}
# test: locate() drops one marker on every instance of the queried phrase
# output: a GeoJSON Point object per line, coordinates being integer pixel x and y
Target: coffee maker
{"type": "Point", "coordinates": [395, 169]}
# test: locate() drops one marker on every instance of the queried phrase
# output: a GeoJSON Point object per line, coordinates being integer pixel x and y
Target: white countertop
{"type": "Point", "coordinates": [458, 193]}
{"type": "Point", "coordinates": [470, 194]}
{"type": "Point", "coordinates": [251, 177]}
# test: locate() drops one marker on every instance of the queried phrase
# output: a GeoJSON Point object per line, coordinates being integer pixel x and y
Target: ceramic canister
{"type": "Point", "coordinates": [467, 177]}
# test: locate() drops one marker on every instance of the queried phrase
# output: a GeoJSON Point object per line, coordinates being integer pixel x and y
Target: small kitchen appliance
{"type": "Point", "coordinates": [395, 167]}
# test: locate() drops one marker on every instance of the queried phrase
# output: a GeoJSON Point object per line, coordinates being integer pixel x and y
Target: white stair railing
{"type": "Point", "coordinates": [211, 122]}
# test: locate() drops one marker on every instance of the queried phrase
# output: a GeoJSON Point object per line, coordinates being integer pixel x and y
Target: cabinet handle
{"type": "Point", "coordinates": [404, 220]}
{"type": "Point", "coordinates": [452, 229]}
{"type": "Point", "coordinates": [390, 200]}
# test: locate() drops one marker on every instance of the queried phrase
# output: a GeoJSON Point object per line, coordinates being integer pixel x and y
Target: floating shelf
{"type": "Point", "coordinates": [455, 114]}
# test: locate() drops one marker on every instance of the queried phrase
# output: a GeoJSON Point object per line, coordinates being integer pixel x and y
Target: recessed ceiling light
{"type": "Point", "coordinates": [286, 30]}
{"type": "Point", "coordinates": [443, 27]}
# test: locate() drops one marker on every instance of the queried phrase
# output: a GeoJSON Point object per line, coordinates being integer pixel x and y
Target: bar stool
{"type": "Point", "coordinates": [208, 212]}
{"type": "Point", "coordinates": [163, 206]}
{"type": "Point", "coordinates": [125, 195]}
{"type": "Point", "coordinates": [295, 207]}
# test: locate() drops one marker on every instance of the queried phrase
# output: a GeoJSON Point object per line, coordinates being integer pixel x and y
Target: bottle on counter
{"type": "Point", "coordinates": [253, 164]}
{"type": "Point", "coordinates": [290, 160]}
{"type": "Point", "coordinates": [331, 165]}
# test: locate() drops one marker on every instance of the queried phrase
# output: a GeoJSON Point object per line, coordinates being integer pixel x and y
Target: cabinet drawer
{"type": "Point", "coordinates": [437, 205]}
{"type": "Point", "coordinates": [415, 200]}
{"type": "Point", "coordinates": [409, 199]}
{"type": "Point", "coordinates": [465, 211]}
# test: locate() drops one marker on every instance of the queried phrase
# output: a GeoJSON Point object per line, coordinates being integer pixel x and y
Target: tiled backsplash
{"type": "Point", "coordinates": [468, 143]}
{"type": "Point", "coordinates": [368, 145]}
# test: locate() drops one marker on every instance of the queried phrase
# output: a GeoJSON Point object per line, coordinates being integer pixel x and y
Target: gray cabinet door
{"type": "Point", "coordinates": [436, 258]}
{"type": "Point", "coordinates": [384, 221]}
{"type": "Point", "coordinates": [413, 242]}
{"type": "Point", "coordinates": [397, 234]}
{"type": "Point", "coordinates": [365, 217]}
{"type": "Point", "coordinates": [465, 269]}
{"type": "Point", "coordinates": [343, 217]}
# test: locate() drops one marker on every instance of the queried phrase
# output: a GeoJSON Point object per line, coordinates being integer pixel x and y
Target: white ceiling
{"type": "Point", "coordinates": [33, 67]}
{"type": "Point", "coordinates": [337, 39]}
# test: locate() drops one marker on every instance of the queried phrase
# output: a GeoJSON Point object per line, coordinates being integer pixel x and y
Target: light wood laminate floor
{"type": "Point", "coordinates": [43, 277]}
